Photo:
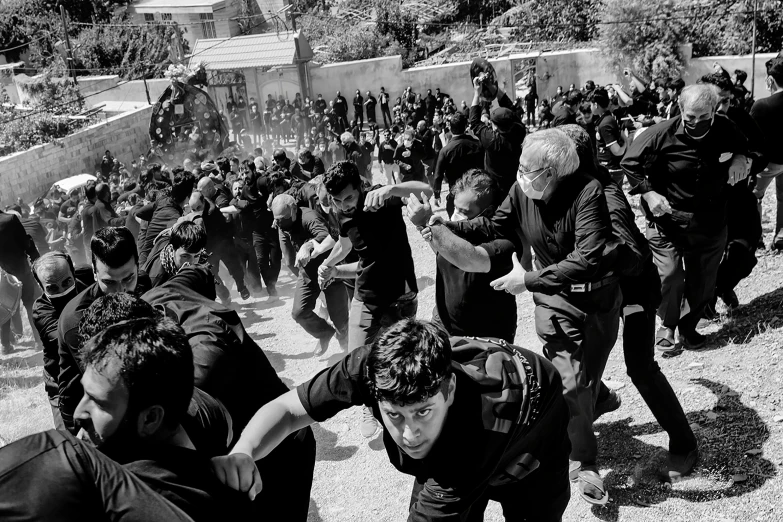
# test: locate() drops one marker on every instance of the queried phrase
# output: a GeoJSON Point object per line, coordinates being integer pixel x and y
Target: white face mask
{"type": "Point", "coordinates": [458, 216]}
{"type": "Point", "coordinates": [408, 144]}
{"type": "Point", "coordinates": [527, 185]}
{"type": "Point", "coordinates": [63, 293]}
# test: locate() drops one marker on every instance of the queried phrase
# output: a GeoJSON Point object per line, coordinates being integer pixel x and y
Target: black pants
{"type": "Point", "coordinates": [225, 252]}
{"type": "Point", "coordinates": [306, 297]}
{"type": "Point", "coordinates": [387, 118]}
{"type": "Point", "coordinates": [743, 235]}
{"type": "Point", "coordinates": [687, 262]}
{"type": "Point", "coordinates": [641, 296]}
{"type": "Point", "coordinates": [267, 246]}
{"type": "Point", "coordinates": [248, 261]}
{"type": "Point", "coordinates": [371, 116]}
{"type": "Point", "coordinates": [531, 115]}
{"type": "Point", "coordinates": [287, 475]}
{"type": "Point", "coordinates": [358, 115]}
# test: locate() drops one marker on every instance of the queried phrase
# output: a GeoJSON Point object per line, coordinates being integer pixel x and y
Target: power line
{"type": "Point", "coordinates": [26, 44]}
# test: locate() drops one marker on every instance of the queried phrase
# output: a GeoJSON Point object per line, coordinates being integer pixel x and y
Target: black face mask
{"type": "Point", "coordinates": [59, 302]}
{"type": "Point", "coordinates": [697, 130]}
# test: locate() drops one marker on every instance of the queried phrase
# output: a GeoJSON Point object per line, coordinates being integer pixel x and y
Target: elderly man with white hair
{"type": "Point", "coordinates": [682, 168]}
{"type": "Point", "coordinates": [560, 211]}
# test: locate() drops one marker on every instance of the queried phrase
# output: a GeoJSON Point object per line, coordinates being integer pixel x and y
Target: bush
{"type": "Point", "coordinates": [651, 49]}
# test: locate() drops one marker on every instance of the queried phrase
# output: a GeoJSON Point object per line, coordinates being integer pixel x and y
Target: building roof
{"type": "Point", "coordinates": [256, 50]}
{"type": "Point", "coordinates": [176, 6]}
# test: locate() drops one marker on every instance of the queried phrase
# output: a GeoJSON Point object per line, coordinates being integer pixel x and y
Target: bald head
{"type": "Point", "coordinates": [207, 187]}
{"type": "Point", "coordinates": [283, 205]}
{"type": "Point", "coordinates": [54, 273]}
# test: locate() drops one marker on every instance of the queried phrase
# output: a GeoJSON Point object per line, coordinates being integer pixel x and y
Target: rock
{"type": "Point", "coordinates": [753, 394]}
{"type": "Point", "coordinates": [614, 385]}
{"type": "Point", "coordinates": [754, 451]}
{"type": "Point", "coordinates": [695, 365]}
{"type": "Point", "coordinates": [711, 415]}
{"type": "Point", "coordinates": [732, 394]}
{"type": "Point", "coordinates": [694, 426]}
{"type": "Point", "coordinates": [778, 418]}
{"type": "Point", "coordinates": [739, 477]}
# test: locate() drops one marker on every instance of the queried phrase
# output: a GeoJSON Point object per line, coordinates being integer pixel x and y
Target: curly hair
{"type": "Point", "coordinates": [341, 175]}
{"type": "Point", "coordinates": [112, 309]}
{"type": "Point", "coordinates": [409, 363]}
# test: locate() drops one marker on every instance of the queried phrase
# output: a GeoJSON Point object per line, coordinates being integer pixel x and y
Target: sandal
{"type": "Point", "coordinates": [592, 478]}
{"type": "Point", "coordinates": [664, 340]}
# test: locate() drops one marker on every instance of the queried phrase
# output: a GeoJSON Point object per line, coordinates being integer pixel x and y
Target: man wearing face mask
{"type": "Point", "coordinates": [115, 265]}
{"type": "Point", "coordinates": [303, 229]}
{"type": "Point", "coordinates": [60, 282]}
{"type": "Point", "coordinates": [409, 157]}
{"type": "Point", "coordinates": [560, 211]}
{"type": "Point", "coordinates": [465, 303]}
{"type": "Point", "coordinates": [768, 113]}
{"type": "Point", "coordinates": [683, 167]}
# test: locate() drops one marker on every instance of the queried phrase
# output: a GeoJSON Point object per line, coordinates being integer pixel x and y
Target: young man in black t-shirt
{"type": "Point", "coordinates": [609, 142]}
{"type": "Point", "coordinates": [472, 420]}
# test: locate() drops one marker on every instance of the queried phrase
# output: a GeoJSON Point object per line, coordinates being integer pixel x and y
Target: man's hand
{"type": "Point", "coordinates": [375, 199]}
{"type": "Point", "coordinates": [426, 232]}
{"type": "Point", "coordinates": [477, 85]}
{"type": "Point", "coordinates": [658, 204]}
{"type": "Point", "coordinates": [418, 212]}
{"type": "Point", "coordinates": [738, 169]}
{"type": "Point", "coordinates": [304, 254]}
{"type": "Point", "coordinates": [514, 281]}
{"type": "Point", "coordinates": [325, 275]}
{"type": "Point", "coordinates": [239, 472]}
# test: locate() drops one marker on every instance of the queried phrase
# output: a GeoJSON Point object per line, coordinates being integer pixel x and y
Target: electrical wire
{"type": "Point", "coordinates": [26, 44]}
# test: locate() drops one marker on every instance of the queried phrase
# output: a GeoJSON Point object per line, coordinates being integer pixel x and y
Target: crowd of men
{"type": "Point", "coordinates": [180, 415]}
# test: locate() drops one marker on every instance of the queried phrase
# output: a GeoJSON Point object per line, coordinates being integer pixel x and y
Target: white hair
{"type": "Point", "coordinates": [551, 148]}
{"type": "Point", "coordinates": [346, 137]}
{"type": "Point", "coordinates": [698, 98]}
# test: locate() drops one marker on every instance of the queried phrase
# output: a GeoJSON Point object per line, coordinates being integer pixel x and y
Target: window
{"type": "Point", "coordinates": [208, 25]}
{"type": "Point", "coordinates": [165, 17]}
{"type": "Point", "coordinates": [149, 18]}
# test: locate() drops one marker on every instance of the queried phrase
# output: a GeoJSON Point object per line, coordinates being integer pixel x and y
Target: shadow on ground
{"type": "Point", "coordinates": [723, 443]}
{"type": "Point", "coordinates": [328, 450]}
{"type": "Point", "coordinates": [746, 322]}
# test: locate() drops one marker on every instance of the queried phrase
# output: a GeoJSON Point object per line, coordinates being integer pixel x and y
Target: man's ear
{"type": "Point", "coordinates": [150, 421]}
{"type": "Point", "coordinates": [452, 387]}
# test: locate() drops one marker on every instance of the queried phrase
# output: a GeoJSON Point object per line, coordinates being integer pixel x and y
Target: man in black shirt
{"type": "Point", "coordinates": [358, 109]}
{"type": "Point", "coordinates": [307, 166]}
{"type": "Point", "coordinates": [320, 104]}
{"type": "Point", "coordinates": [53, 476]}
{"type": "Point", "coordinates": [385, 112]}
{"type": "Point", "coordinates": [431, 103]}
{"type": "Point", "coordinates": [768, 113]}
{"type": "Point", "coordinates": [370, 102]}
{"type": "Point", "coordinates": [303, 229]}
{"type": "Point", "coordinates": [341, 111]}
{"type": "Point", "coordinates": [426, 137]}
{"type": "Point", "coordinates": [470, 419]}
{"type": "Point", "coordinates": [501, 138]}
{"type": "Point", "coordinates": [465, 303]}
{"type": "Point", "coordinates": [138, 383]}
{"type": "Point", "coordinates": [609, 142]}
{"type": "Point", "coordinates": [564, 111]}
{"type": "Point", "coordinates": [682, 167]}
{"type": "Point", "coordinates": [560, 211]}
{"type": "Point", "coordinates": [462, 153]}
{"type": "Point", "coordinates": [441, 98]}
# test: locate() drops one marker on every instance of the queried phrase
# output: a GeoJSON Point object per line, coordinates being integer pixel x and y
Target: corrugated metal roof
{"type": "Point", "coordinates": [257, 50]}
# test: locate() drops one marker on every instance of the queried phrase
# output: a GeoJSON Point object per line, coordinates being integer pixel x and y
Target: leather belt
{"type": "Point", "coordinates": [589, 287]}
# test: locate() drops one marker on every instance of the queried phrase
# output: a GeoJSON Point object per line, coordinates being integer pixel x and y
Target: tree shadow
{"type": "Point", "coordinates": [746, 322]}
{"type": "Point", "coordinates": [327, 448]}
{"type": "Point", "coordinates": [424, 282]}
{"type": "Point", "coordinates": [31, 360]}
{"type": "Point", "coordinates": [634, 479]}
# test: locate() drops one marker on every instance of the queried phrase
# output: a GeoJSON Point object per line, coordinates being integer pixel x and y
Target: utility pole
{"type": "Point", "coordinates": [293, 15]}
{"type": "Point", "coordinates": [69, 59]}
{"type": "Point", "coordinates": [753, 50]}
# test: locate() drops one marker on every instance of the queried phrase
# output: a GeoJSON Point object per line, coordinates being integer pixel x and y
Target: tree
{"type": "Point", "coordinates": [650, 45]}
{"type": "Point", "coordinates": [563, 21]}
{"type": "Point", "coordinates": [336, 40]}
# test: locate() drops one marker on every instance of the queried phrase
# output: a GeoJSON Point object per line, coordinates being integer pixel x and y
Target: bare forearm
{"type": "Point", "coordinates": [339, 252]}
{"type": "Point", "coordinates": [347, 271]}
{"type": "Point", "coordinates": [459, 252]}
{"type": "Point", "coordinates": [405, 189]}
{"type": "Point", "coordinates": [324, 246]}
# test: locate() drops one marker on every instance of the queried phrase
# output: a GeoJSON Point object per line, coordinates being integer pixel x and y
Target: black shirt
{"type": "Point", "coordinates": [691, 174]}
{"type": "Point", "coordinates": [607, 133]}
{"type": "Point", "coordinates": [768, 113]}
{"type": "Point", "coordinates": [371, 103]}
{"type": "Point", "coordinates": [308, 225]}
{"type": "Point", "coordinates": [466, 304]}
{"type": "Point", "coordinates": [309, 170]}
{"type": "Point", "coordinates": [487, 433]}
{"type": "Point", "coordinates": [386, 270]}
{"type": "Point", "coordinates": [53, 476]}
{"type": "Point", "coordinates": [358, 103]}
{"type": "Point", "coordinates": [18, 248]}
{"type": "Point", "coordinates": [562, 115]}
{"type": "Point", "coordinates": [340, 105]}
{"type": "Point", "coordinates": [461, 153]}
{"type": "Point", "coordinates": [569, 234]}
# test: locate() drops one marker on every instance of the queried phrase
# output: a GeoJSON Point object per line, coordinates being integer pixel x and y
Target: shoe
{"type": "Point", "coordinates": [664, 339]}
{"type": "Point", "coordinates": [777, 243]}
{"type": "Point", "coordinates": [611, 403]}
{"type": "Point", "coordinates": [693, 340]}
{"type": "Point", "coordinates": [369, 426]}
{"type": "Point", "coordinates": [678, 466]}
{"type": "Point", "coordinates": [322, 345]}
{"type": "Point", "coordinates": [729, 298]}
{"type": "Point", "coordinates": [244, 294]}
{"type": "Point", "coordinates": [591, 486]}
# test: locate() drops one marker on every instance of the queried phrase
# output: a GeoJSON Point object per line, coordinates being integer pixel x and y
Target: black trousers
{"type": "Point", "coordinates": [248, 261]}
{"type": "Point", "coordinates": [306, 297]}
{"type": "Point", "coordinates": [358, 115]}
{"type": "Point", "coordinates": [225, 252]}
{"type": "Point", "coordinates": [641, 297]}
{"type": "Point", "coordinates": [371, 116]}
{"type": "Point", "coordinates": [387, 118]}
{"type": "Point", "coordinates": [266, 243]}
{"type": "Point", "coordinates": [287, 475]}
{"type": "Point", "coordinates": [743, 235]}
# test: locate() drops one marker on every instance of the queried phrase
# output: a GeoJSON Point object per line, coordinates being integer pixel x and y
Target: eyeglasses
{"type": "Point", "coordinates": [539, 172]}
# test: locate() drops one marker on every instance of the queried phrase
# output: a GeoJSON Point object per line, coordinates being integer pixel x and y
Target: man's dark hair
{"type": "Point", "coordinates": [188, 235]}
{"type": "Point", "coordinates": [775, 70]}
{"type": "Point", "coordinates": [479, 182]}
{"type": "Point", "coordinates": [741, 75]}
{"type": "Point", "coordinates": [409, 363]}
{"type": "Point", "coordinates": [182, 185]}
{"type": "Point", "coordinates": [114, 246]}
{"type": "Point", "coordinates": [279, 155]}
{"type": "Point", "coordinates": [89, 191]}
{"type": "Point", "coordinates": [718, 80]}
{"type": "Point", "coordinates": [676, 85]}
{"type": "Point", "coordinates": [340, 175]}
{"type": "Point", "coordinates": [223, 164]}
{"type": "Point", "coordinates": [458, 123]}
{"type": "Point", "coordinates": [154, 360]}
{"type": "Point", "coordinates": [574, 98]}
{"type": "Point", "coordinates": [600, 97]}
{"type": "Point", "coordinates": [111, 309]}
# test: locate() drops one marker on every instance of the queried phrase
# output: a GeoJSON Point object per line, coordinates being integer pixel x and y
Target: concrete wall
{"type": "Point", "coordinates": [132, 91]}
{"type": "Point", "coordinates": [31, 173]}
{"type": "Point", "coordinates": [453, 78]}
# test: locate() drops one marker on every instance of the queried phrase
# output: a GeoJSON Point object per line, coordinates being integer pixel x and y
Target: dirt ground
{"type": "Point", "coordinates": [730, 390]}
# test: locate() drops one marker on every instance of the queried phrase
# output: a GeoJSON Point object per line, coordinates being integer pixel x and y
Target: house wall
{"type": "Point", "coordinates": [31, 173]}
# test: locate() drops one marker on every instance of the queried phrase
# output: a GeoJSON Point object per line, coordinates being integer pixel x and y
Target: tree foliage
{"type": "Point", "coordinates": [554, 21]}
{"type": "Point", "coordinates": [652, 48]}
{"type": "Point", "coordinates": [342, 41]}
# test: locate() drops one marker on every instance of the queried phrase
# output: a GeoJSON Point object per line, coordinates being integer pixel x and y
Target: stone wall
{"type": "Point", "coordinates": [31, 173]}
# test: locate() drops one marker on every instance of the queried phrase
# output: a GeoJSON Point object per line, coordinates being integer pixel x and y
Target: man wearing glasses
{"type": "Point", "coordinates": [560, 211]}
